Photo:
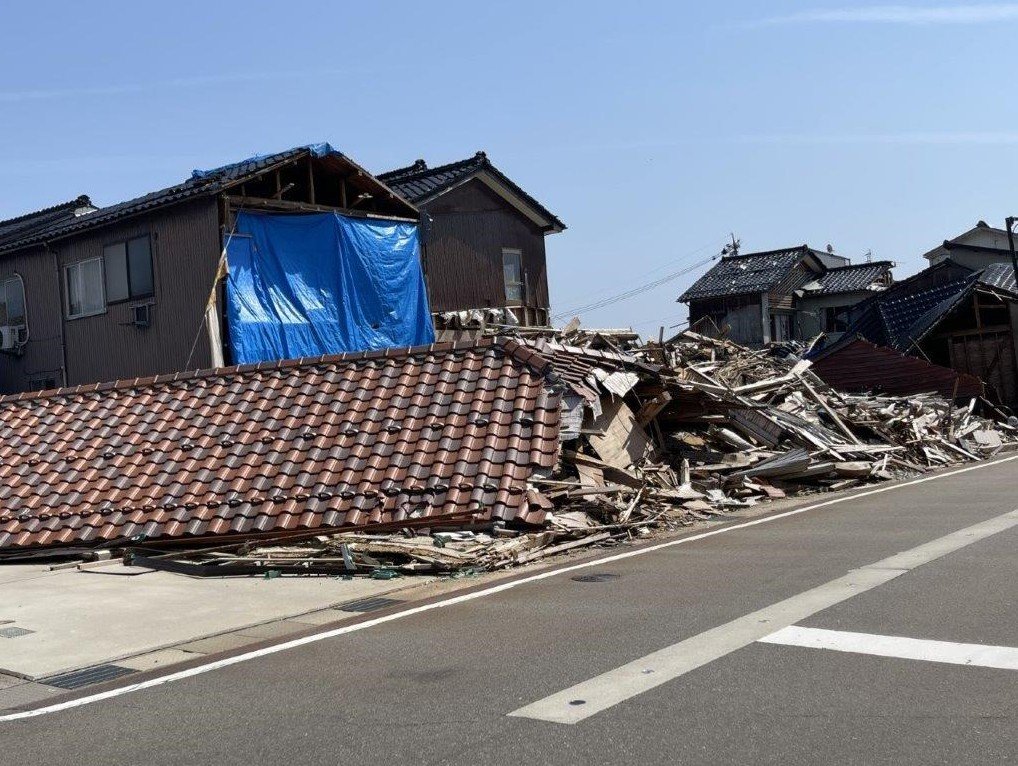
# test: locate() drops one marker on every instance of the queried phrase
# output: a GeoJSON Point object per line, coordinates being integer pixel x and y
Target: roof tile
{"type": "Point", "coordinates": [330, 441]}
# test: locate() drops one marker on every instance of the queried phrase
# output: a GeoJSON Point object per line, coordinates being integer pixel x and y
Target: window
{"type": "Point", "coordinates": [512, 271]}
{"type": "Point", "coordinates": [128, 270]}
{"type": "Point", "coordinates": [84, 283]}
{"type": "Point", "coordinates": [12, 302]}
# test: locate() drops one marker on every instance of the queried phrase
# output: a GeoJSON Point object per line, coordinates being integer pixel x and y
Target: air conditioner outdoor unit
{"type": "Point", "coordinates": [141, 315]}
{"type": "Point", "coordinates": [8, 338]}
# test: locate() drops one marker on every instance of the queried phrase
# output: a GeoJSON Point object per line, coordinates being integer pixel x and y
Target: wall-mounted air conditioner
{"type": "Point", "coordinates": [141, 315]}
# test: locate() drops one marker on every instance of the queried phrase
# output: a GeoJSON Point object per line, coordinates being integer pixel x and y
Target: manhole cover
{"type": "Point", "coordinates": [88, 676]}
{"type": "Point", "coordinates": [368, 604]}
{"type": "Point", "coordinates": [596, 577]}
{"type": "Point", "coordinates": [12, 632]}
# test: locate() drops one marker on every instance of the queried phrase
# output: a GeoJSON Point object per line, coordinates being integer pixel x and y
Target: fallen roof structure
{"type": "Point", "coordinates": [904, 314]}
{"type": "Point", "coordinates": [451, 430]}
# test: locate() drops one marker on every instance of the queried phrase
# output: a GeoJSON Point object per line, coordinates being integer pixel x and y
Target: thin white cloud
{"type": "Point", "coordinates": [943, 138]}
{"type": "Point", "coordinates": [85, 90]}
{"type": "Point", "coordinates": [981, 13]}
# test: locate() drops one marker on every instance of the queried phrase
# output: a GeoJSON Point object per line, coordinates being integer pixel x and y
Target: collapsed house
{"type": "Point", "coordinates": [953, 317]}
{"type": "Point", "coordinates": [779, 295]}
{"type": "Point", "coordinates": [447, 458]}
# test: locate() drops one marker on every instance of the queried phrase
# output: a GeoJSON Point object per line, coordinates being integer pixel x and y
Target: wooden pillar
{"type": "Point", "coordinates": [311, 179]}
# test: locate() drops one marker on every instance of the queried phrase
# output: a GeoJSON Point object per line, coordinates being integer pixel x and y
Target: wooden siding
{"type": "Point", "coordinates": [185, 251]}
{"type": "Point", "coordinates": [738, 318]}
{"type": "Point", "coordinates": [42, 357]}
{"type": "Point", "coordinates": [781, 295]}
{"type": "Point", "coordinates": [463, 250]}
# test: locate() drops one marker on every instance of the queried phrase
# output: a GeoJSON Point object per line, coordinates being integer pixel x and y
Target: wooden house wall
{"type": "Point", "coordinates": [185, 252]}
{"type": "Point", "coordinates": [463, 250]}
{"type": "Point", "coordinates": [740, 314]}
{"type": "Point", "coordinates": [42, 357]}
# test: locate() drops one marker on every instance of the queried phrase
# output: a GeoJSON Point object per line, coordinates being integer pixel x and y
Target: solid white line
{"type": "Point", "coordinates": [587, 698]}
{"type": "Point", "coordinates": [978, 655]}
{"type": "Point", "coordinates": [453, 600]}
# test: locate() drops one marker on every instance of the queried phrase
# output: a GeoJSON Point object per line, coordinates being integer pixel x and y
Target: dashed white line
{"type": "Point", "coordinates": [899, 647]}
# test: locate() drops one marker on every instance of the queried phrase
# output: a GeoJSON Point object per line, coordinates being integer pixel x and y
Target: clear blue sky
{"type": "Point", "coordinates": [652, 129]}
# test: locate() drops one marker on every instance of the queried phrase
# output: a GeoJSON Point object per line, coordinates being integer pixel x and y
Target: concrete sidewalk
{"type": "Point", "coordinates": [52, 622]}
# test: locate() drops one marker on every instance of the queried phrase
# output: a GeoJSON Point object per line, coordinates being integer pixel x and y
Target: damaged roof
{"type": "Point", "coordinates": [851, 278]}
{"type": "Point", "coordinates": [333, 441]}
{"type": "Point", "coordinates": [200, 183]}
{"type": "Point", "coordinates": [420, 184]}
{"type": "Point", "coordinates": [746, 274]}
{"type": "Point", "coordinates": [903, 315]}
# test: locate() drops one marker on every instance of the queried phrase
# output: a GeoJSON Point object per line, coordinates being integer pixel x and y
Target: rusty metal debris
{"type": "Point", "coordinates": [655, 436]}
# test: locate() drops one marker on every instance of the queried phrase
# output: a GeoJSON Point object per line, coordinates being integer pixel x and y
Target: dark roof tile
{"type": "Point", "coordinates": [746, 274]}
{"type": "Point", "coordinates": [852, 278]}
{"type": "Point", "coordinates": [419, 184]}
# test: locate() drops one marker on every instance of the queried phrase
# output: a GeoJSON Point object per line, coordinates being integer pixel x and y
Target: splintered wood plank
{"type": "Point", "coordinates": [620, 441]}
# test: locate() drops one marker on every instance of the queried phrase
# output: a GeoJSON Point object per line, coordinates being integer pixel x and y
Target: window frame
{"type": "Point", "coordinates": [522, 299]}
{"type": "Point", "coordinates": [127, 269]}
{"type": "Point", "coordinates": [102, 287]}
{"type": "Point", "coordinates": [24, 300]}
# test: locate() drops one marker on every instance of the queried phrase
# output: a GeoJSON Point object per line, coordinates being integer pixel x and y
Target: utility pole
{"type": "Point", "coordinates": [1009, 221]}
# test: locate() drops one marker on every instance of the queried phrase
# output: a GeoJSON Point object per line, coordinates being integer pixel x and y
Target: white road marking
{"type": "Point", "coordinates": [589, 697]}
{"type": "Point", "coordinates": [453, 600]}
{"type": "Point", "coordinates": [978, 655]}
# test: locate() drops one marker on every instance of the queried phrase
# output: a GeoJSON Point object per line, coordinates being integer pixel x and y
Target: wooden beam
{"type": "Point", "coordinates": [342, 192]}
{"type": "Point", "coordinates": [284, 205]}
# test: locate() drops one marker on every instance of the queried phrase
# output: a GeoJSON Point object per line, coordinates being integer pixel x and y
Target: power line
{"type": "Point", "coordinates": [632, 293]}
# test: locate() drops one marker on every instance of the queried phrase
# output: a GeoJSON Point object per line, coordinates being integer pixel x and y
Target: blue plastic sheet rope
{"type": "Point", "coordinates": [306, 285]}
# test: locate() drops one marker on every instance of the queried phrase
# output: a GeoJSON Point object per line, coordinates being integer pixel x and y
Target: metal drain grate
{"type": "Point", "coordinates": [12, 632]}
{"type": "Point", "coordinates": [596, 577]}
{"type": "Point", "coordinates": [368, 604]}
{"type": "Point", "coordinates": [88, 676]}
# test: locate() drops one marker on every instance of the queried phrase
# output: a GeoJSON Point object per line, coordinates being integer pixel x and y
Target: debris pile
{"type": "Point", "coordinates": [653, 436]}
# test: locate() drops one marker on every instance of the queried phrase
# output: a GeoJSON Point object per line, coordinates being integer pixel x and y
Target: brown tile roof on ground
{"type": "Point", "coordinates": [342, 440]}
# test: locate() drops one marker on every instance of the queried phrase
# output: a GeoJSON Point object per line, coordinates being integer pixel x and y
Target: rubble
{"type": "Point", "coordinates": [654, 436]}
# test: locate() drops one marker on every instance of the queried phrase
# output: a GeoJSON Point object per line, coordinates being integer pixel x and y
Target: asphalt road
{"type": "Point", "coordinates": [437, 687]}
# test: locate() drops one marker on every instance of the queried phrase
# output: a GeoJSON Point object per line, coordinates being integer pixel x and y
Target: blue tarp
{"type": "Point", "coordinates": [305, 285]}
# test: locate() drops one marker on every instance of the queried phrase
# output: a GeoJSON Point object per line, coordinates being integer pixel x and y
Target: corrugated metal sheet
{"type": "Point", "coordinates": [346, 440]}
{"type": "Point", "coordinates": [858, 366]}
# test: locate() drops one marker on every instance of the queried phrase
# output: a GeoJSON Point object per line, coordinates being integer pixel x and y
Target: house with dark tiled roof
{"type": "Point", "coordinates": [483, 244]}
{"type": "Point", "coordinates": [96, 293]}
{"type": "Point", "coordinates": [776, 295]}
